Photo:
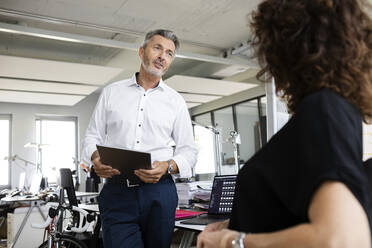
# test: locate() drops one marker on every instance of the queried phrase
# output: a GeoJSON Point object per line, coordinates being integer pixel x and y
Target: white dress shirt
{"type": "Point", "coordinates": [154, 121]}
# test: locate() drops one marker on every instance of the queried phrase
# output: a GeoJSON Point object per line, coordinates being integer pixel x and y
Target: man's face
{"type": "Point", "coordinates": [157, 56]}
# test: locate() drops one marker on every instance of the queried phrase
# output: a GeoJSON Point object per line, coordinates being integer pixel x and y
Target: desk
{"type": "Point", "coordinates": [20, 198]}
{"type": "Point", "coordinates": [90, 207]}
{"type": "Point", "coordinates": [36, 201]}
{"type": "Point", "coordinates": [80, 194]}
{"type": "Point", "coordinates": [30, 198]}
{"type": "Point", "coordinates": [189, 232]}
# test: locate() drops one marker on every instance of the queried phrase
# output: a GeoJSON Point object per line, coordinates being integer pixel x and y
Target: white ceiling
{"type": "Point", "coordinates": [220, 23]}
{"type": "Point", "coordinates": [197, 90]}
{"type": "Point", "coordinates": [58, 52]}
{"type": "Point", "coordinates": [39, 98]}
{"type": "Point", "coordinates": [18, 67]}
{"type": "Point", "coordinates": [37, 86]}
{"type": "Point", "coordinates": [185, 84]}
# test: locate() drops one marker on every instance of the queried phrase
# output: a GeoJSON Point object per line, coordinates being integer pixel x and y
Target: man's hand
{"type": "Point", "coordinates": [102, 170]}
{"type": "Point", "coordinates": [153, 175]}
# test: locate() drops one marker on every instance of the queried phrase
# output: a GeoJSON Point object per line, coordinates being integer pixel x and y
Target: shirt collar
{"type": "Point", "coordinates": [133, 82]}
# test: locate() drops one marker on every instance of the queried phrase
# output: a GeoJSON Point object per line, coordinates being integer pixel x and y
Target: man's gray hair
{"type": "Point", "coordinates": [162, 32]}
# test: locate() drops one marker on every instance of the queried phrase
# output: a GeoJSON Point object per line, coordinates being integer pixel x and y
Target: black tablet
{"type": "Point", "coordinates": [126, 161]}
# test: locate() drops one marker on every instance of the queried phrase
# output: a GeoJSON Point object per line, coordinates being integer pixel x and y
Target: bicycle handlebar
{"type": "Point", "coordinates": [48, 221]}
{"type": "Point", "coordinates": [86, 225]}
{"type": "Point", "coordinates": [43, 225]}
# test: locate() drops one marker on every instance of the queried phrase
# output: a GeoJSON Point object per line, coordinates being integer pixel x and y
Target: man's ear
{"type": "Point", "coordinates": [140, 52]}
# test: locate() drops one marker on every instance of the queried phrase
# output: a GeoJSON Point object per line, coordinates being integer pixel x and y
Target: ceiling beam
{"type": "Point", "coordinates": [115, 30]}
{"type": "Point", "coordinates": [228, 100]}
{"type": "Point", "coordinates": [76, 38]}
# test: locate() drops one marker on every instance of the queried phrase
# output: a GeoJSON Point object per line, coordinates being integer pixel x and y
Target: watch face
{"type": "Point", "coordinates": [238, 242]}
{"type": "Point", "coordinates": [235, 243]}
{"type": "Point", "coordinates": [170, 167]}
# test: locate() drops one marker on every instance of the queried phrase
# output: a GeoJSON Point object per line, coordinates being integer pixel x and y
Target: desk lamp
{"type": "Point", "coordinates": [235, 140]}
{"type": "Point", "coordinates": [38, 157]}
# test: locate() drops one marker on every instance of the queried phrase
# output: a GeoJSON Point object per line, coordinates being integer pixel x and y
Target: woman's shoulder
{"type": "Point", "coordinates": [326, 102]}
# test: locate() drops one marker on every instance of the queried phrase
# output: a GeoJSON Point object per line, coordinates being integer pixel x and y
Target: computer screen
{"type": "Point", "coordinates": [222, 195]}
{"type": "Point", "coordinates": [22, 178]}
{"type": "Point", "coordinates": [35, 183]}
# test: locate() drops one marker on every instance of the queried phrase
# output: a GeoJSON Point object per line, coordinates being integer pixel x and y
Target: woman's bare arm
{"type": "Point", "coordinates": [336, 220]}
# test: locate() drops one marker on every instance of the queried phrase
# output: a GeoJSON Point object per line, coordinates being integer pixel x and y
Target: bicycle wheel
{"type": "Point", "coordinates": [67, 241]}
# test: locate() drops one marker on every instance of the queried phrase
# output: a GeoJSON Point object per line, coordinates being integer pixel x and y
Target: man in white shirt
{"type": "Point", "coordinates": [142, 113]}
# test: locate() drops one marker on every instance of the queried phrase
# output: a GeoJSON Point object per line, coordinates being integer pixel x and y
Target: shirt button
{"type": "Point", "coordinates": [137, 141]}
{"type": "Point", "coordinates": [141, 109]}
{"type": "Point", "coordinates": [144, 94]}
{"type": "Point", "coordinates": [139, 125]}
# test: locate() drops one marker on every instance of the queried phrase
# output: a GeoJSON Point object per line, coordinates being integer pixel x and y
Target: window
{"type": "Point", "coordinates": [249, 129]}
{"type": "Point", "coordinates": [57, 145]}
{"type": "Point", "coordinates": [247, 118]}
{"type": "Point", "coordinates": [367, 141]}
{"type": "Point", "coordinates": [224, 121]}
{"type": "Point", "coordinates": [205, 143]}
{"type": "Point", "coordinates": [263, 122]}
{"type": "Point", "coordinates": [204, 119]}
{"type": "Point", "coordinates": [5, 131]}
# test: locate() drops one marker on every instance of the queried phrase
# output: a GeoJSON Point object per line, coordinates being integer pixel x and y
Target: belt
{"type": "Point", "coordinates": [119, 179]}
{"type": "Point", "coordinates": [122, 180]}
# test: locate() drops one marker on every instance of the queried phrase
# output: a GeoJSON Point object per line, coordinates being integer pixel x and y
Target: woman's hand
{"type": "Point", "coordinates": [212, 239]}
{"type": "Point", "coordinates": [217, 226]}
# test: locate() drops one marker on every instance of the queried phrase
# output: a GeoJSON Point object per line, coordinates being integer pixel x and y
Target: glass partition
{"type": "Point", "coordinates": [248, 126]}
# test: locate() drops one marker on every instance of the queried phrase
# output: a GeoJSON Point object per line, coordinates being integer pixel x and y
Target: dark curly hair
{"type": "Point", "coordinates": [307, 45]}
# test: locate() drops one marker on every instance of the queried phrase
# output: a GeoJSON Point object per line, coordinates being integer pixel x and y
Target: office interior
{"type": "Point", "coordinates": [56, 56]}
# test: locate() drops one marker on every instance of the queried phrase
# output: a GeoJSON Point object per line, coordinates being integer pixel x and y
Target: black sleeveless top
{"type": "Point", "coordinates": [322, 141]}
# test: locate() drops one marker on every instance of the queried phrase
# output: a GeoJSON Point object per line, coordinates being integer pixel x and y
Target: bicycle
{"type": "Point", "coordinates": [57, 237]}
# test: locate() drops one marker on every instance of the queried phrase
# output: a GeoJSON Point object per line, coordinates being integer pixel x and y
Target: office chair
{"type": "Point", "coordinates": [92, 182]}
{"type": "Point", "coordinates": [68, 185]}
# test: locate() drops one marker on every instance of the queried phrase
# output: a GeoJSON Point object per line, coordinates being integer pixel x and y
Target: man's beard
{"type": "Point", "coordinates": [146, 65]}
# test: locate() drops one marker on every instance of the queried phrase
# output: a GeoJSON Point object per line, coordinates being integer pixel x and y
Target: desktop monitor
{"type": "Point", "coordinates": [35, 183]}
{"type": "Point", "coordinates": [22, 178]}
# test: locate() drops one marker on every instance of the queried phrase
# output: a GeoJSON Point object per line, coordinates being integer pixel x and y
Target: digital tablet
{"type": "Point", "coordinates": [126, 161]}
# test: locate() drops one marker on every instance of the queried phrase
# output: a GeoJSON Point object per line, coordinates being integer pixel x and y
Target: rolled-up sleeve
{"type": "Point", "coordinates": [185, 154]}
{"type": "Point", "coordinates": [96, 130]}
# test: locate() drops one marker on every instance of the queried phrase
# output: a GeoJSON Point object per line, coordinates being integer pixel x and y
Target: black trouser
{"type": "Point", "coordinates": [141, 216]}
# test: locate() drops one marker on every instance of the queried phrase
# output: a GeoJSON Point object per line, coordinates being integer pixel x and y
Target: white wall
{"type": "Point", "coordinates": [23, 126]}
{"type": "Point", "coordinates": [367, 141]}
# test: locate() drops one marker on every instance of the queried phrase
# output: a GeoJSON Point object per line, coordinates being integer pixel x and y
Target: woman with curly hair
{"type": "Point", "coordinates": [307, 186]}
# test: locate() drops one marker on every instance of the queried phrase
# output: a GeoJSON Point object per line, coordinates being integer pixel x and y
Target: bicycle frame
{"type": "Point", "coordinates": [54, 222]}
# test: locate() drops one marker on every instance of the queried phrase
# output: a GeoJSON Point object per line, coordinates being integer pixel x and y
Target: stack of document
{"type": "Point", "coordinates": [202, 195]}
{"type": "Point", "coordinates": [186, 214]}
{"type": "Point", "coordinates": [188, 191]}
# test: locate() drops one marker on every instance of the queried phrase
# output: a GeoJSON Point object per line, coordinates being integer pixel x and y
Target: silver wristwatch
{"type": "Point", "coordinates": [238, 242]}
{"type": "Point", "coordinates": [170, 167]}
